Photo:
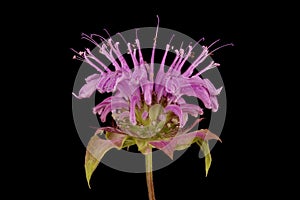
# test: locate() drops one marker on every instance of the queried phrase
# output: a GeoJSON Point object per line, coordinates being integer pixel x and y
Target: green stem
{"type": "Point", "coordinates": [149, 176]}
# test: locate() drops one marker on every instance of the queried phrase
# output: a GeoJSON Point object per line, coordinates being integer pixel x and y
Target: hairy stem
{"type": "Point", "coordinates": [149, 176]}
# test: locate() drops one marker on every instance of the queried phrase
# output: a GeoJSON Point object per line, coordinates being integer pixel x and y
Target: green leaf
{"type": "Point", "coordinates": [128, 142]}
{"type": "Point", "coordinates": [206, 151]}
{"type": "Point", "coordinates": [97, 148]}
{"type": "Point", "coordinates": [155, 111]}
{"type": "Point", "coordinates": [143, 146]}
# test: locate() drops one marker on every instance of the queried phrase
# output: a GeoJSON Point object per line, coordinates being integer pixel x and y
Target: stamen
{"type": "Point", "coordinates": [107, 32]}
{"type": "Point", "coordinates": [109, 56]}
{"type": "Point", "coordinates": [133, 57]}
{"type": "Point", "coordinates": [122, 37]}
{"type": "Point", "coordinates": [198, 42]}
{"type": "Point", "coordinates": [225, 45]}
{"type": "Point", "coordinates": [210, 66]}
{"type": "Point", "coordinates": [139, 48]}
{"type": "Point", "coordinates": [90, 39]}
{"type": "Point", "coordinates": [90, 55]}
{"type": "Point", "coordinates": [201, 57]}
{"type": "Point", "coordinates": [213, 43]}
{"type": "Point", "coordinates": [101, 37]}
{"type": "Point", "coordinates": [171, 39]}
{"type": "Point", "coordinates": [161, 69]}
{"type": "Point", "coordinates": [181, 45]}
{"type": "Point", "coordinates": [181, 52]}
{"type": "Point", "coordinates": [154, 43]}
{"type": "Point", "coordinates": [151, 67]}
{"type": "Point", "coordinates": [186, 57]}
{"type": "Point", "coordinates": [174, 61]}
{"type": "Point", "coordinates": [91, 63]}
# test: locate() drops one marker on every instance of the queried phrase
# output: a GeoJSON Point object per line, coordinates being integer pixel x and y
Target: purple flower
{"type": "Point", "coordinates": [149, 109]}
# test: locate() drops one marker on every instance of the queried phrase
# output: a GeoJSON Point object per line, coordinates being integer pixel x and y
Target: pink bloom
{"type": "Point", "coordinates": [146, 106]}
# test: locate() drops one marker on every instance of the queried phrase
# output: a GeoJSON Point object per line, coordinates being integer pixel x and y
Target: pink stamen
{"type": "Point", "coordinates": [107, 32]}
{"type": "Point", "coordinates": [139, 47]}
{"type": "Point", "coordinates": [200, 58]}
{"type": "Point", "coordinates": [91, 63]}
{"type": "Point", "coordinates": [122, 37]}
{"type": "Point", "coordinates": [225, 45]}
{"type": "Point", "coordinates": [90, 39]}
{"type": "Point", "coordinates": [151, 68]}
{"type": "Point", "coordinates": [90, 55]}
{"type": "Point", "coordinates": [213, 43]}
{"type": "Point", "coordinates": [186, 57]}
{"type": "Point", "coordinates": [133, 57]}
{"type": "Point", "coordinates": [210, 66]}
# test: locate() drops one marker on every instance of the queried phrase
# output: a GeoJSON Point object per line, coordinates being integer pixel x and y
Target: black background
{"type": "Point", "coordinates": [241, 164]}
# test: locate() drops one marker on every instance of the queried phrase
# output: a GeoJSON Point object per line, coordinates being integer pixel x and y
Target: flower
{"type": "Point", "coordinates": [149, 108]}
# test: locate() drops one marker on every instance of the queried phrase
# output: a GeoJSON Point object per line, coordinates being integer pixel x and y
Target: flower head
{"type": "Point", "coordinates": [149, 108]}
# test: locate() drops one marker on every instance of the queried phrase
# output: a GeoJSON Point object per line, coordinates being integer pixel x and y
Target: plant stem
{"type": "Point", "coordinates": [149, 176]}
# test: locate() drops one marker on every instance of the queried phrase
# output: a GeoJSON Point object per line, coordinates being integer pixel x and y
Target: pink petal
{"type": "Point", "coordinates": [133, 102]}
{"type": "Point", "coordinates": [145, 115]}
{"type": "Point", "coordinates": [177, 111]}
{"type": "Point", "coordinates": [191, 109]}
{"type": "Point", "coordinates": [89, 88]}
{"type": "Point", "coordinates": [99, 108]}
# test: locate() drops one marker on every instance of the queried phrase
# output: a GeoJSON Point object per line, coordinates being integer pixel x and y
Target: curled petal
{"type": "Point", "coordinates": [133, 102]}
{"type": "Point", "coordinates": [214, 103]}
{"type": "Point", "coordinates": [119, 103]}
{"type": "Point", "coordinates": [125, 88]}
{"type": "Point", "coordinates": [204, 96]}
{"type": "Point", "coordinates": [105, 112]}
{"type": "Point", "coordinates": [89, 88]}
{"type": "Point", "coordinates": [108, 82]}
{"type": "Point", "coordinates": [191, 109]}
{"type": "Point", "coordinates": [148, 93]}
{"type": "Point", "coordinates": [211, 88]}
{"type": "Point", "coordinates": [123, 115]}
{"type": "Point", "coordinates": [172, 85]}
{"type": "Point", "coordinates": [99, 108]}
{"type": "Point", "coordinates": [159, 84]}
{"type": "Point", "coordinates": [198, 91]}
{"type": "Point", "coordinates": [140, 77]}
{"type": "Point", "coordinates": [177, 111]}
